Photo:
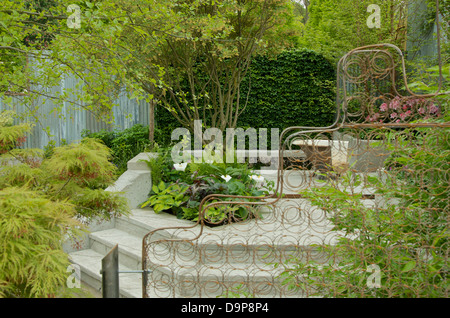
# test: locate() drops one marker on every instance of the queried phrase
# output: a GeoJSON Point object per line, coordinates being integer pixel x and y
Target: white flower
{"type": "Point", "coordinates": [180, 166]}
{"type": "Point", "coordinates": [257, 178]}
{"type": "Point", "coordinates": [226, 178]}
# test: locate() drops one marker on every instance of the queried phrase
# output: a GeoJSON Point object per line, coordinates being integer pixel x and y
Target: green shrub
{"type": "Point", "coordinates": [40, 197]}
{"type": "Point", "coordinates": [180, 192]}
{"type": "Point", "coordinates": [295, 89]}
{"type": "Point", "coordinates": [124, 144]}
{"type": "Point", "coordinates": [407, 238]}
{"type": "Point", "coordinates": [11, 136]}
{"type": "Point", "coordinates": [32, 229]}
{"type": "Point", "coordinates": [77, 173]}
{"type": "Point", "coordinates": [167, 197]}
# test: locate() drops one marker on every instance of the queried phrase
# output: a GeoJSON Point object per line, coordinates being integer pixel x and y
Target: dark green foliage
{"type": "Point", "coordinates": [124, 144]}
{"type": "Point", "coordinates": [296, 89]}
{"type": "Point", "coordinates": [180, 192]}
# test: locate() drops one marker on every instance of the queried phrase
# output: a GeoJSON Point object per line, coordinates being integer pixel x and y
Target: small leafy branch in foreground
{"type": "Point", "coordinates": [405, 234]}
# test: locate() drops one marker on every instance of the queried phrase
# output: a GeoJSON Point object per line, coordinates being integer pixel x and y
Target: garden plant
{"type": "Point", "coordinates": [44, 201]}
{"type": "Point", "coordinates": [124, 145]}
{"type": "Point", "coordinates": [180, 188]}
{"type": "Point", "coordinates": [229, 64]}
{"type": "Point", "coordinates": [405, 235]}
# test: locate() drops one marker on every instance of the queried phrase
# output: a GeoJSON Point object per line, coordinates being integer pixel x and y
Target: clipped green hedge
{"type": "Point", "coordinates": [295, 89]}
{"type": "Point", "coordinates": [124, 144]}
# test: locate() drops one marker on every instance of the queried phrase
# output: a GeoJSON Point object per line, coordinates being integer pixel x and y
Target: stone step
{"type": "Point", "coordinates": [188, 279]}
{"type": "Point", "coordinates": [225, 256]}
{"type": "Point", "coordinates": [228, 260]}
{"type": "Point", "coordinates": [214, 246]}
{"type": "Point", "coordinates": [90, 262]}
{"type": "Point", "coordinates": [197, 261]}
{"type": "Point", "coordinates": [266, 239]}
{"type": "Point", "coordinates": [181, 274]}
{"type": "Point", "coordinates": [130, 246]}
{"type": "Point", "coordinates": [142, 221]}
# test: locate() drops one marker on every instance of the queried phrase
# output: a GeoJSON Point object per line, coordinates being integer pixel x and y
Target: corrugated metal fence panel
{"type": "Point", "coordinates": [69, 123]}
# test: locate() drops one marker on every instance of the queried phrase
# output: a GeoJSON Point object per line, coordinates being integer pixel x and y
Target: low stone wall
{"type": "Point", "coordinates": [134, 184]}
{"type": "Point", "coordinates": [362, 155]}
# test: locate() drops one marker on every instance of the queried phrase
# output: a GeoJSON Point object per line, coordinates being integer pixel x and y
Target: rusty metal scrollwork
{"type": "Point", "coordinates": [297, 233]}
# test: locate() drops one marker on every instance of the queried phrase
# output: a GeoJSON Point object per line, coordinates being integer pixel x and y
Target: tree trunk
{"type": "Point", "coordinates": [306, 4]}
{"type": "Point", "coordinates": [151, 122]}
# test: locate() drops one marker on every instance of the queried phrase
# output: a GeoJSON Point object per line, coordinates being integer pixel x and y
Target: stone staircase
{"type": "Point", "coordinates": [128, 231]}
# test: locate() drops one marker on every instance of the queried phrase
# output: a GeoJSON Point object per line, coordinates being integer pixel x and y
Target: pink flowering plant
{"type": "Point", "coordinates": [404, 110]}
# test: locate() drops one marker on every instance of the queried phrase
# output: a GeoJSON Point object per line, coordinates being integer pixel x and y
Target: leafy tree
{"type": "Point", "coordinates": [422, 57]}
{"type": "Point", "coordinates": [195, 65]}
{"type": "Point", "coordinates": [32, 262]}
{"type": "Point", "coordinates": [213, 69]}
{"type": "Point", "coordinates": [301, 9]}
{"type": "Point", "coordinates": [335, 28]}
{"type": "Point", "coordinates": [189, 55]}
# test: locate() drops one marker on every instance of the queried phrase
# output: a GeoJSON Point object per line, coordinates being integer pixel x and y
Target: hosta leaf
{"type": "Point", "coordinates": [160, 207]}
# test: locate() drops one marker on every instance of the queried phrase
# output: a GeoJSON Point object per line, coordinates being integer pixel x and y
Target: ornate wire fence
{"type": "Point", "coordinates": [363, 213]}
